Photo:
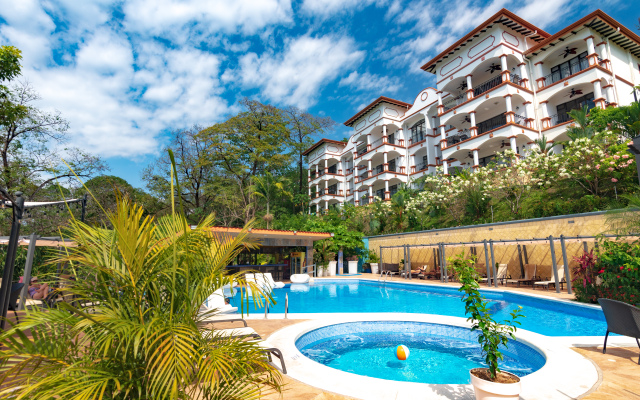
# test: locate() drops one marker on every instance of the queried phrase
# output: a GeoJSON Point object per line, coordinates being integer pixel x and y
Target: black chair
{"type": "Point", "coordinates": [622, 318]}
{"type": "Point", "coordinates": [16, 288]}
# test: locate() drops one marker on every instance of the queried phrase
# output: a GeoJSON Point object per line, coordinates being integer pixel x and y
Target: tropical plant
{"type": "Point", "coordinates": [542, 145]}
{"type": "Point", "coordinates": [133, 328]}
{"type": "Point", "coordinates": [492, 334]}
{"type": "Point", "coordinates": [269, 187]}
{"type": "Point", "coordinates": [583, 130]}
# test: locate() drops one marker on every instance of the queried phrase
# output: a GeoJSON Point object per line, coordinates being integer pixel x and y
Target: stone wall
{"type": "Point", "coordinates": [589, 224]}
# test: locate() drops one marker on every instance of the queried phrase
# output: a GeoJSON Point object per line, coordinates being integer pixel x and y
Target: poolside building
{"type": "Point", "coordinates": [503, 85]}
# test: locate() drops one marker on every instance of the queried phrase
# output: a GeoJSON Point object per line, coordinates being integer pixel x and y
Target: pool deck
{"type": "Point", "coordinates": [619, 372]}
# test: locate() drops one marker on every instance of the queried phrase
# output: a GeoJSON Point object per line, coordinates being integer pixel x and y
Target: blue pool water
{"type": "Point", "coordinates": [547, 317]}
{"type": "Point", "coordinates": [439, 354]}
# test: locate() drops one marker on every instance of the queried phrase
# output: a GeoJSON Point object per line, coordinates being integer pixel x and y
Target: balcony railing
{"type": "Point", "coordinates": [563, 117]}
{"type": "Point", "coordinates": [566, 71]}
{"type": "Point", "coordinates": [376, 143]}
{"type": "Point", "coordinates": [458, 137]}
{"type": "Point", "coordinates": [417, 138]}
{"type": "Point", "coordinates": [421, 167]}
{"type": "Point", "coordinates": [486, 86]}
{"type": "Point", "coordinates": [361, 151]}
{"type": "Point", "coordinates": [492, 123]}
{"type": "Point", "coordinates": [333, 190]}
{"type": "Point", "coordinates": [450, 103]}
{"type": "Point", "coordinates": [364, 200]}
{"type": "Point", "coordinates": [364, 176]}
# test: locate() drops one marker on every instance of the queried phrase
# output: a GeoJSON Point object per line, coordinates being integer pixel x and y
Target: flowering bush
{"type": "Point", "coordinates": [613, 274]}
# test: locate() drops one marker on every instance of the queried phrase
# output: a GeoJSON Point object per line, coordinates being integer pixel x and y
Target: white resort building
{"type": "Point", "coordinates": [503, 85]}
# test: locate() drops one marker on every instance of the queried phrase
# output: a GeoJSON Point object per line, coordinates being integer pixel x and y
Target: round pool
{"type": "Point", "coordinates": [439, 354]}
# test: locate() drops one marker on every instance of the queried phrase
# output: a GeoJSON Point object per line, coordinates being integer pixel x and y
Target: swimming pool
{"type": "Point", "coordinates": [439, 354]}
{"type": "Point", "coordinates": [543, 316]}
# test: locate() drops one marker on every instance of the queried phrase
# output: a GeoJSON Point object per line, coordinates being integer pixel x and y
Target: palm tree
{"type": "Point", "coordinates": [583, 128]}
{"type": "Point", "coordinates": [543, 146]}
{"type": "Point", "coordinates": [269, 187]}
{"type": "Point", "coordinates": [134, 329]}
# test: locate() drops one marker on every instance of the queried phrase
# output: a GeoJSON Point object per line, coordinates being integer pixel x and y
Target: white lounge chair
{"type": "Point", "coordinates": [216, 302]}
{"type": "Point", "coordinates": [529, 274]}
{"type": "Point", "coordinates": [552, 281]}
{"type": "Point", "coordinates": [501, 273]}
{"type": "Point", "coordinates": [299, 278]}
{"type": "Point", "coordinates": [274, 284]}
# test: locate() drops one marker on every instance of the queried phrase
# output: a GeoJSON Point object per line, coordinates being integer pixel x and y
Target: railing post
{"type": "Point", "coordinates": [444, 264]}
{"type": "Point", "coordinates": [27, 270]}
{"type": "Point", "coordinates": [486, 260]}
{"type": "Point", "coordinates": [554, 264]}
{"type": "Point", "coordinates": [567, 275]}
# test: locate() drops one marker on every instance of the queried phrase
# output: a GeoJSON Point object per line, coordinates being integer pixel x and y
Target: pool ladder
{"type": "Point", "coordinates": [384, 275]}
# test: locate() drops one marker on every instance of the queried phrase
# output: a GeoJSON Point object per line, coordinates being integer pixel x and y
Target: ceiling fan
{"type": "Point", "coordinates": [569, 51]}
{"type": "Point", "coordinates": [502, 145]}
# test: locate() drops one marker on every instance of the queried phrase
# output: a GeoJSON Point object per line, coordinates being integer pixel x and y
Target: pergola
{"type": "Point", "coordinates": [440, 253]}
{"type": "Point", "coordinates": [19, 206]}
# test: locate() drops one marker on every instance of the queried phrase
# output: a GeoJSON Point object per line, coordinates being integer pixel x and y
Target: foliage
{"type": "Point", "coordinates": [585, 277]}
{"type": "Point", "coordinates": [269, 187]}
{"type": "Point", "coordinates": [145, 339]}
{"type": "Point", "coordinates": [9, 63]}
{"type": "Point", "coordinates": [492, 334]}
{"type": "Point", "coordinates": [583, 130]}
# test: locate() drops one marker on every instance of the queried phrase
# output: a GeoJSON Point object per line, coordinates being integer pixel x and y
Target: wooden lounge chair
{"type": "Point", "coordinates": [552, 281]}
{"type": "Point", "coordinates": [529, 275]}
{"type": "Point", "coordinates": [622, 318]}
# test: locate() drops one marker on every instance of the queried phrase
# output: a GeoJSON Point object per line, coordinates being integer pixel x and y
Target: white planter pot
{"type": "Point", "coordinates": [333, 265]}
{"type": "Point", "coordinates": [486, 390]}
{"type": "Point", "coordinates": [319, 272]}
{"type": "Point", "coordinates": [374, 268]}
{"type": "Point", "coordinates": [353, 267]}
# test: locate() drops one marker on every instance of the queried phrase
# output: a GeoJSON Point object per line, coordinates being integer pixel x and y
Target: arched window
{"type": "Point", "coordinates": [418, 131]}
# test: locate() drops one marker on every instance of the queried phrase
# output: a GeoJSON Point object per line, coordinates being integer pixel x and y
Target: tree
{"type": "Point", "coordinates": [147, 338]}
{"type": "Point", "coordinates": [33, 144]}
{"type": "Point", "coordinates": [269, 187]}
{"type": "Point", "coordinates": [584, 129]}
{"type": "Point", "coordinates": [247, 145]}
{"type": "Point", "coordinates": [195, 170]}
{"type": "Point", "coordinates": [543, 146]}
{"type": "Point", "coordinates": [302, 128]}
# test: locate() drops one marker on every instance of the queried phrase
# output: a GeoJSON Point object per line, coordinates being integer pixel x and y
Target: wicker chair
{"type": "Point", "coordinates": [622, 318]}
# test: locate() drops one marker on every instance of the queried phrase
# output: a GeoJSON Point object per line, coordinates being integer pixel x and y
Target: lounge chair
{"type": "Point", "coordinates": [299, 278]}
{"type": "Point", "coordinates": [16, 289]}
{"type": "Point", "coordinates": [529, 275]}
{"type": "Point", "coordinates": [552, 282]}
{"type": "Point", "coordinates": [501, 274]}
{"type": "Point", "coordinates": [622, 318]}
{"type": "Point", "coordinates": [216, 302]}
{"type": "Point", "coordinates": [274, 284]}
{"type": "Point", "coordinates": [413, 272]}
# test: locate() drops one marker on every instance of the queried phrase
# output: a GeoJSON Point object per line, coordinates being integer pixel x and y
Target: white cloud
{"type": "Point", "coordinates": [543, 13]}
{"type": "Point", "coordinates": [326, 8]}
{"type": "Point", "coordinates": [297, 75]}
{"type": "Point", "coordinates": [174, 19]}
{"type": "Point", "coordinates": [371, 83]}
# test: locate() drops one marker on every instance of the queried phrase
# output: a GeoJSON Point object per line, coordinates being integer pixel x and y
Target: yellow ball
{"type": "Point", "coordinates": [402, 352]}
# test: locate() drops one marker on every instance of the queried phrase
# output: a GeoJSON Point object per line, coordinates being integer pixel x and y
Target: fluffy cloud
{"type": "Point", "coordinates": [329, 7]}
{"type": "Point", "coordinates": [297, 75]}
{"type": "Point", "coordinates": [371, 83]}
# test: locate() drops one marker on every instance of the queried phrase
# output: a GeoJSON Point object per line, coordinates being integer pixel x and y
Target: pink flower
{"type": "Point", "coordinates": [612, 163]}
{"type": "Point", "coordinates": [598, 166]}
{"type": "Point", "coordinates": [614, 180]}
{"type": "Point", "coordinates": [625, 156]}
{"type": "Point", "coordinates": [610, 169]}
{"type": "Point", "coordinates": [616, 157]}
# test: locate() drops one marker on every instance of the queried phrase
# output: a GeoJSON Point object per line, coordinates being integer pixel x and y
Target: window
{"type": "Point", "coordinates": [333, 189]}
{"type": "Point", "coordinates": [392, 165]}
{"type": "Point", "coordinates": [333, 169]}
{"type": "Point", "coordinates": [418, 131]}
{"type": "Point", "coordinates": [393, 189]}
{"type": "Point", "coordinates": [570, 67]}
{"type": "Point", "coordinates": [574, 104]}
{"type": "Point", "coordinates": [492, 123]}
{"type": "Point", "coordinates": [391, 139]}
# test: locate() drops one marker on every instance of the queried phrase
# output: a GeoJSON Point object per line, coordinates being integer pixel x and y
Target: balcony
{"type": "Point", "coordinates": [565, 70]}
{"type": "Point", "coordinates": [458, 137]}
{"type": "Point", "coordinates": [361, 151]}
{"type": "Point", "coordinates": [455, 101]}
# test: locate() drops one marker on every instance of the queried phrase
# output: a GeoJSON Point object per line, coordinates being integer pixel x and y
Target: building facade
{"type": "Point", "coordinates": [503, 85]}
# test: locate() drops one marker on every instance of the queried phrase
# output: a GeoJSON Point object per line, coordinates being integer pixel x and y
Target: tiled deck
{"type": "Point", "coordinates": [619, 367]}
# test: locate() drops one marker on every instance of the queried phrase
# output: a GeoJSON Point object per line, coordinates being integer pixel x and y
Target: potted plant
{"type": "Point", "coordinates": [373, 261]}
{"type": "Point", "coordinates": [353, 265]}
{"type": "Point", "coordinates": [322, 257]}
{"type": "Point", "coordinates": [490, 382]}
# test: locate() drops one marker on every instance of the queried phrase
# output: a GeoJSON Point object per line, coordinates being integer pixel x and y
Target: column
{"type": "Point", "coordinates": [440, 106]}
{"type": "Point", "coordinates": [610, 94]}
{"type": "Point", "coordinates": [591, 51]}
{"type": "Point", "coordinates": [384, 134]}
{"type": "Point", "coordinates": [340, 188]}
{"type": "Point", "coordinates": [326, 187]}
{"type": "Point", "coordinates": [443, 137]}
{"type": "Point", "coordinates": [469, 88]}
{"type": "Point", "coordinates": [546, 120]}
{"type": "Point", "coordinates": [385, 165]}
{"type": "Point", "coordinates": [309, 191]}
{"type": "Point", "coordinates": [317, 190]}
{"type": "Point", "coordinates": [413, 163]}
{"type": "Point", "coordinates": [326, 205]}
{"type": "Point", "coordinates": [473, 129]}
{"type": "Point", "coordinates": [368, 142]}
{"type": "Point", "coordinates": [528, 114]}
{"type": "Point", "coordinates": [387, 194]}
{"type": "Point", "coordinates": [317, 208]}
{"type": "Point", "coordinates": [400, 137]}
{"type": "Point", "coordinates": [539, 74]}
{"type": "Point", "coordinates": [370, 193]}
{"type": "Point", "coordinates": [369, 169]}
{"type": "Point", "coordinates": [445, 166]}
{"type": "Point", "coordinates": [597, 94]}
{"type": "Point", "coordinates": [524, 76]}
{"type": "Point", "coordinates": [510, 114]}
{"type": "Point", "coordinates": [512, 141]}
{"type": "Point", "coordinates": [505, 70]}
{"type": "Point", "coordinates": [317, 170]}
{"type": "Point", "coordinates": [326, 166]}
{"type": "Point", "coordinates": [602, 49]}
{"type": "Point", "coordinates": [476, 159]}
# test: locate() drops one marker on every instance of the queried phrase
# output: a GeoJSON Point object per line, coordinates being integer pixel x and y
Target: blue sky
{"type": "Point", "coordinates": [125, 73]}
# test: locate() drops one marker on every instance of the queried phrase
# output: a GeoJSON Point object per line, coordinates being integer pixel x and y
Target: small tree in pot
{"type": "Point", "coordinates": [491, 381]}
